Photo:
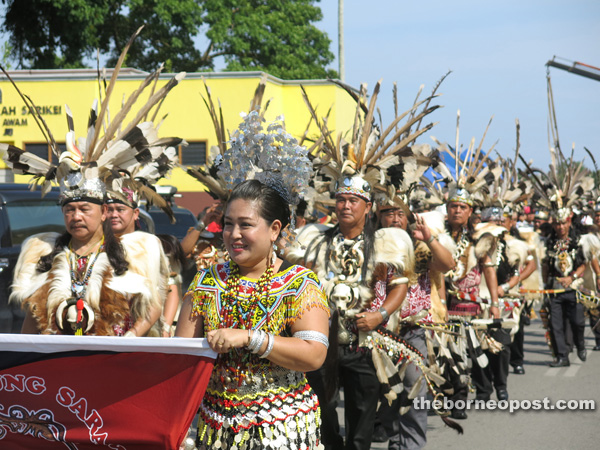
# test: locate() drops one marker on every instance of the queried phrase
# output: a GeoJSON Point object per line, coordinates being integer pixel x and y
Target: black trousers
{"type": "Point", "coordinates": [495, 374]}
{"type": "Point", "coordinates": [516, 347]}
{"type": "Point", "coordinates": [563, 307]}
{"type": "Point", "coordinates": [357, 376]}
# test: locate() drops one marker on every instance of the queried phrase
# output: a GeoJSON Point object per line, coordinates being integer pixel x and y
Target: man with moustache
{"type": "Point", "coordinates": [87, 281]}
{"type": "Point", "coordinates": [365, 275]}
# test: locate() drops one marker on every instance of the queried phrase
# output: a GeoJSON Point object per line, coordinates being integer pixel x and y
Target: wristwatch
{"type": "Point", "coordinates": [200, 226]}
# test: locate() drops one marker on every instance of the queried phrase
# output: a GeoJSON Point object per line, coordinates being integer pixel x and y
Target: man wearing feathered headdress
{"type": "Point", "coordinates": [405, 425]}
{"type": "Point", "coordinates": [365, 275]}
{"type": "Point", "coordinates": [87, 280]}
{"type": "Point", "coordinates": [474, 172]}
{"type": "Point", "coordinates": [514, 262]}
{"type": "Point", "coordinates": [565, 262]}
{"type": "Point", "coordinates": [563, 265]}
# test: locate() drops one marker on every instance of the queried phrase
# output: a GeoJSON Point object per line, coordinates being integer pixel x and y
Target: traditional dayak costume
{"type": "Point", "coordinates": [358, 273]}
{"type": "Point", "coordinates": [564, 255]}
{"type": "Point", "coordinates": [85, 294]}
{"type": "Point", "coordinates": [405, 425]}
{"type": "Point", "coordinates": [252, 403]}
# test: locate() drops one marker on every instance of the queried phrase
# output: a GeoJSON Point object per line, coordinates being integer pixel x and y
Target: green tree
{"type": "Point", "coordinates": [276, 36]}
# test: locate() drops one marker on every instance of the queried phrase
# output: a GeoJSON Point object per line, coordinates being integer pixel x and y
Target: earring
{"type": "Point", "coordinates": [274, 254]}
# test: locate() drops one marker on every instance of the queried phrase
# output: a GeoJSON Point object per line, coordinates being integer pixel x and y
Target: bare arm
{"type": "Point", "coordinates": [516, 279]}
{"type": "Point", "coordinates": [188, 326]}
{"type": "Point", "coordinates": [170, 308]}
{"type": "Point", "coordinates": [596, 269]}
{"type": "Point", "coordinates": [143, 325]}
{"type": "Point", "coordinates": [489, 273]}
{"type": "Point", "coordinates": [367, 321]}
{"type": "Point", "coordinates": [289, 352]}
{"type": "Point", "coordinates": [189, 241]}
{"type": "Point", "coordinates": [442, 259]}
{"type": "Point", "coordinates": [29, 324]}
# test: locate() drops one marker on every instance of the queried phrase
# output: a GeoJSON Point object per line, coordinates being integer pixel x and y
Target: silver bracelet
{"type": "Point", "coordinates": [253, 340]}
{"type": "Point", "coordinates": [310, 335]}
{"type": "Point", "coordinates": [384, 313]}
{"type": "Point", "coordinates": [270, 343]}
{"type": "Point", "coordinates": [505, 287]}
{"type": "Point", "coordinates": [200, 226]}
{"type": "Point", "coordinates": [430, 240]}
{"type": "Point", "coordinates": [258, 337]}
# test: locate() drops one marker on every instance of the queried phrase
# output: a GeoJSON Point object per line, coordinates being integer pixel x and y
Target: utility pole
{"type": "Point", "coordinates": [341, 38]}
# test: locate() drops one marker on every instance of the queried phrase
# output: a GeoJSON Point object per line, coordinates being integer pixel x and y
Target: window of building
{"type": "Point", "coordinates": [43, 150]}
{"type": "Point", "coordinates": [194, 154]}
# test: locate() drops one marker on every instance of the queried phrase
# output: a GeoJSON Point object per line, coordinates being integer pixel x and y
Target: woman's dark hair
{"type": "Point", "coordinates": [272, 205]}
{"type": "Point", "coordinates": [172, 248]}
{"type": "Point", "coordinates": [112, 247]}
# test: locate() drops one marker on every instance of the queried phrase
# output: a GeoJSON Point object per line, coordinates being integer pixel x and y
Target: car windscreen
{"type": "Point", "coordinates": [28, 217]}
{"type": "Point", "coordinates": [179, 229]}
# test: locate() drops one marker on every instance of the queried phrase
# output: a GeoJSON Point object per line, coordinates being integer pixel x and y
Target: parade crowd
{"type": "Point", "coordinates": [356, 261]}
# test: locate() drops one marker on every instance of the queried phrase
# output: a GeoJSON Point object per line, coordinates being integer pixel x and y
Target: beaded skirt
{"type": "Point", "coordinates": [275, 409]}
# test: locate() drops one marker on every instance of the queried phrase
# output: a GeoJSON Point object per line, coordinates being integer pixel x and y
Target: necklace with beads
{"type": "Point", "coordinates": [81, 269]}
{"type": "Point", "coordinates": [237, 309]}
{"type": "Point", "coordinates": [462, 242]}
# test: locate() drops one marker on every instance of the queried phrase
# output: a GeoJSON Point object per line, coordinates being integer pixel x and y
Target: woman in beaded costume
{"type": "Point", "coordinates": [267, 319]}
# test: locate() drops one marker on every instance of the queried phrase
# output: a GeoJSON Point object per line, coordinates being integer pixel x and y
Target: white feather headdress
{"type": "Point", "coordinates": [112, 153]}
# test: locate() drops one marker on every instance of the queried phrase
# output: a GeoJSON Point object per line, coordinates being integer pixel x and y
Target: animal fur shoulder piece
{"type": "Point", "coordinates": [516, 251]}
{"type": "Point", "coordinates": [111, 297]}
{"type": "Point", "coordinates": [394, 247]}
{"type": "Point", "coordinates": [303, 250]}
{"type": "Point", "coordinates": [147, 275]}
{"type": "Point", "coordinates": [26, 278]}
{"type": "Point", "coordinates": [436, 222]}
{"type": "Point", "coordinates": [590, 243]}
{"type": "Point", "coordinates": [486, 239]}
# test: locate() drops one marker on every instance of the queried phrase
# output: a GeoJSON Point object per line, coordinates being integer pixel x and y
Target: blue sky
{"type": "Point", "coordinates": [497, 52]}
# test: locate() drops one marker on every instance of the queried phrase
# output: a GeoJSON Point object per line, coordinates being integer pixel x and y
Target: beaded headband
{"type": "Point", "coordinates": [354, 185]}
{"type": "Point", "coordinates": [460, 195]}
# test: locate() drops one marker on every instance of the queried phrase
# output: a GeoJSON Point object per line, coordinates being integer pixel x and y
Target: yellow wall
{"type": "Point", "coordinates": [187, 115]}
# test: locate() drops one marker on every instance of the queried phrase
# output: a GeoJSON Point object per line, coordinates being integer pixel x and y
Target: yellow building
{"type": "Point", "coordinates": [187, 116]}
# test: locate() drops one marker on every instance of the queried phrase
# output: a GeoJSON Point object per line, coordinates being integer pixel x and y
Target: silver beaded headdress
{"type": "Point", "coordinates": [267, 154]}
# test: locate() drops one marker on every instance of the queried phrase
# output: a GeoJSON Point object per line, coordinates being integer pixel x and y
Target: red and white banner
{"type": "Point", "coordinates": [84, 392]}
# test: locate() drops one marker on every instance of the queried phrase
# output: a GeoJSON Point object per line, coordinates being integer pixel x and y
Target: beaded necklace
{"type": "Point", "coordinates": [237, 310]}
{"type": "Point", "coordinates": [462, 242]}
{"type": "Point", "coordinates": [79, 284]}
{"type": "Point", "coordinates": [561, 252]}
